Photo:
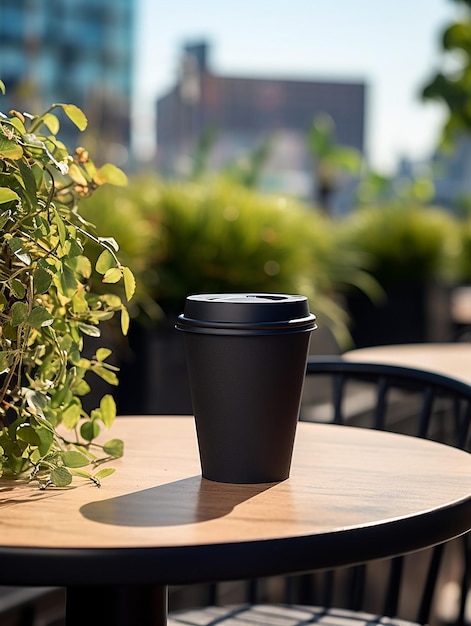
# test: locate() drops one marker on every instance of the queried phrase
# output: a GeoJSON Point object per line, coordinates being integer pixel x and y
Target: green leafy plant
{"type": "Point", "coordinates": [48, 305]}
{"type": "Point", "coordinates": [404, 243]}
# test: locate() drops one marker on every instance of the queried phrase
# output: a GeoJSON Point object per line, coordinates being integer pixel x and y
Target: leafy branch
{"type": "Point", "coordinates": [47, 304]}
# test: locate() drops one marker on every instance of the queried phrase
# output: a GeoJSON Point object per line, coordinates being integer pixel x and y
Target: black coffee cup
{"type": "Point", "coordinates": [246, 356]}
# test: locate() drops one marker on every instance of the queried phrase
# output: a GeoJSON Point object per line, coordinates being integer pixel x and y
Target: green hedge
{"type": "Point", "coordinates": [217, 236]}
{"type": "Point", "coordinates": [405, 243]}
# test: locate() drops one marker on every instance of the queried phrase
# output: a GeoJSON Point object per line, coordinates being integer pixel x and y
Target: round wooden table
{"type": "Point", "coordinates": [448, 359]}
{"type": "Point", "coordinates": [353, 495]}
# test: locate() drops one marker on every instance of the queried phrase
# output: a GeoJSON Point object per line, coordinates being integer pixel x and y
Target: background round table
{"type": "Point", "coordinates": [448, 359]}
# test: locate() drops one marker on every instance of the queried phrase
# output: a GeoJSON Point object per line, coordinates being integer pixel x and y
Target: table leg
{"type": "Point", "coordinates": [118, 605]}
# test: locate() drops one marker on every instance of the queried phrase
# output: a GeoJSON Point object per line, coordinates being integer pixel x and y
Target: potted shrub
{"type": "Point", "coordinates": [47, 306]}
{"type": "Point", "coordinates": [410, 249]}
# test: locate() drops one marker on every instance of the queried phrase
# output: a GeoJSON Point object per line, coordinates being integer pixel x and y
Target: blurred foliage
{"type": "Point", "coordinates": [127, 215]}
{"type": "Point", "coordinates": [245, 170]}
{"type": "Point", "coordinates": [217, 236]}
{"type": "Point", "coordinates": [248, 170]}
{"type": "Point", "coordinates": [200, 159]}
{"type": "Point", "coordinates": [331, 160]}
{"type": "Point", "coordinates": [452, 87]}
{"type": "Point", "coordinates": [405, 242]}
{"type": "Point", "coordinates": [463, 260]}
{"type": "Point", "coordinates": [377, 189]}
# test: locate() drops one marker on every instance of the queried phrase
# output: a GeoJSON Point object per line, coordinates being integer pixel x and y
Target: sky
{"type": "Point", "coordinates": [392, 46]}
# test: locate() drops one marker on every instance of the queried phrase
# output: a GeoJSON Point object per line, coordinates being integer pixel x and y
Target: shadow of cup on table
{"type": "Point", "coordinates": [246, 356]}
{"type": "Point", "coordinates": [180, 502]}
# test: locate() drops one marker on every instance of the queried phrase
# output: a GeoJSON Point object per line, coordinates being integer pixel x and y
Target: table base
{"type": "Point", "coordinates": [119, 605]}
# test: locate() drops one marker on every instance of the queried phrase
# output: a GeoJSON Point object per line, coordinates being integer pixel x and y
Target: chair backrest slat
{"type": "Point", "coordinates": [423, 423]}
{"type": "Point", "coordinates": [382, 388]}
{"type": "Point", "coordinates": [338, 383]}
{"type": "Point", "coordinates": [426, 600]}
{"type": "Point", "coordinates": [391, 601]}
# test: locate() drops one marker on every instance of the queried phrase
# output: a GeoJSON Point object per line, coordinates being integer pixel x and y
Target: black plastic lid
{"type": "Point", "coordinates": [246, 311]}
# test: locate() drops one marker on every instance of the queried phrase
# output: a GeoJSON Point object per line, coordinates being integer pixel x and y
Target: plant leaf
{"type": "Point", "coordinates": [89, 430]}
{"type": "Point", "coordinates": [5, 360]}
{"type": "Point", "coordinates": [28, 180]}
{"type": "Point", "coordinates": [107, 375]}
{"type": "Point", "coordinates": [81, 473]}
{"type": "Point", "coordinates": [68, 281]}
{"type": "Point", "coordinates": [71, 415]}
{"type": "Point", "coordinates": [114, 447]}
{"type": "Point", "coordinates": [17, 247]}
{"type": "Point", "coordinates": [41, 280]}
{"type": "Point", "coordinates": [108, 410]}
{"type": "Point", "coordinates": [83, 266]}
{"type": "Point", "coordinates": [104, 472]}
{"type": "Point", "coordinates": [76, 115]}
{"type": "Point", "coordinates": [10, 149]}
{"type": "Point", "coordinates": [7, 195]}
{"type": "Point", "coordinates": [111, 174]}
{"type": "Point", "coordinates": [46, 439]}
{"type": "Point", "coordinates": [28, 434]}
{"type": "Point", "coordinates": [129, 283]}
{"type": "Point", "coordinates": [102, 354]}
{"type": "Point", "coordinates": [18, 288]}
{"type": "Point", "coordinates": [89, 329]}
{"type": "Point", "coordinates": [76, 249]}
{"type": "Point", "coordinates": [19, 313]}
{"type": "Point", "coordinates": [124, 320]}
{"type": "Point", "coordinates": [112, 275]}
{"type": "Point", "coordinates": [61, 477]}
{"type": "Point", "coordinates": [18, 124]}
{"type": "Point", "coordinates": [52, 122]}
{"type": "Point", "coordinates": [76, 175]}
{"type": "Point", "coordinates": [36, 400]}
{"type": "Point", "coordinates": [105, 262]}
{"type": "Point", "coordinates": [72, 458]}
{"type": "Point", "coordinates": [59, 222]}
{"type": "Point", "coordinates": [5, 216]}
{"type": "Point", "coordinates": [40, 317]}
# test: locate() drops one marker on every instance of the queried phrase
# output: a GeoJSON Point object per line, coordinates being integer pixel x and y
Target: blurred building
{"type": "Point", "coordinates": [72, 51]}
{"type": "Point", "coordinates": [452, 174]}
{"type": "Point", "coordinates": [243, 112]}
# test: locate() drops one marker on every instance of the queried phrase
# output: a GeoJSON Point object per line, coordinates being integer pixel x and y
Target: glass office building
{"type": "Point", "coordinates": [75, 51]}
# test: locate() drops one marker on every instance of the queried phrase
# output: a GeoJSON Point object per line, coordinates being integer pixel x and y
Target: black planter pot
{"type": "Point", "coordinates": [410, 313]}
{"type": "Point", "coordinates": [153, 375]}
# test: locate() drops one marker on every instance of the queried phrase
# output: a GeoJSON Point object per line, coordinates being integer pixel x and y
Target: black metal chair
{"type": "Point", "coordinates": [387, 592]}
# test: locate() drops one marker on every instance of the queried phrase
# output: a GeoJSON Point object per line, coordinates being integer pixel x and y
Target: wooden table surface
{"type": "Point", "coordinates": [449, 359]}
{"type": "Point", "coordinates": [353, 494]}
